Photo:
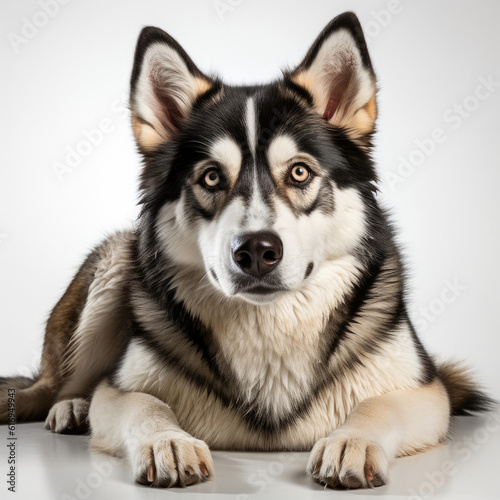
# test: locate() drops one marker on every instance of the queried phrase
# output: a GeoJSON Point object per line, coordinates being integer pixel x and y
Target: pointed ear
{"type": "Point", "coordinates": [338, 74]}
{"type": "Point", "coordinates": [164, 85]}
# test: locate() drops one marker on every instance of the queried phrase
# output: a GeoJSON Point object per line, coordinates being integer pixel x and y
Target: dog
{"type": "Point", "coordinates": [259, 302]}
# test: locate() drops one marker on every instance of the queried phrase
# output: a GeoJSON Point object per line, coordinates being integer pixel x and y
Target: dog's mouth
{"type": "Point", "coordinates": [260, 293]}
{"type": "Point", "coordinates": [262, 290]}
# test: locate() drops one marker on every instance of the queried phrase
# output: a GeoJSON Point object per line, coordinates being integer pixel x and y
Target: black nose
{"type": "Point", "coordinates": [257, 253]}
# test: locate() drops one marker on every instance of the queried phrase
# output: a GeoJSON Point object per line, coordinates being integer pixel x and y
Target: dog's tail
{"type": "Point", "coordinates": [24, 398]}
{"type": "Point", "coordinates": [466, 396]}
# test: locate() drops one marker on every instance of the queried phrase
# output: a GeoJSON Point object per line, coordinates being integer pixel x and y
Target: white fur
{"type": "Point", "coordinates": [226, 152]}
{"type": "Point", "coordinates": [265, 358]}
{"type": "Point", "coordinates": [257, 214]}
{"type": "Point", "coordinates": [281, 150]}
{"type": "Point", "coordinates": [145, 430]}
{"type": "Point", "coordinates": [251, 125]}
{"type": "Point", "coordinates": [379, 429]}
{"type": "Point", "coordinates": [318, 238]}
{"type": "Point", "coordinates": [214, 241]}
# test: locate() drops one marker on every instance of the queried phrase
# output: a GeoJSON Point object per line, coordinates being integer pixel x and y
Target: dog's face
{"type": "Point", "coordinates": [260, 185]}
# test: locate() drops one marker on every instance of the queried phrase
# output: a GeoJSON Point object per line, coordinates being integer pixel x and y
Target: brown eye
{"type": "Point", "coordinates": [212, 178]}
{"type": "Point", "coordinates": [299, 173]}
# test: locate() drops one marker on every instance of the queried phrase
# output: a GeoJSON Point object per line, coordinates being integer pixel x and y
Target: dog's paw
{"type": "Point", "coordinates": [172, 459]}
{"type": "Point", "coordinates": [68, 417]}
{"type": "Point", "coordinates": [346, 459]}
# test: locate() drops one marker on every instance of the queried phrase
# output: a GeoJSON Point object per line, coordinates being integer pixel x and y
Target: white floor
{"type": "Point", "coordinates": [62, 467]}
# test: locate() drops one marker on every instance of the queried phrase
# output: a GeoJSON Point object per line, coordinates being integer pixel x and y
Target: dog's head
{"type": "Point", "coordinates": [258, 185]}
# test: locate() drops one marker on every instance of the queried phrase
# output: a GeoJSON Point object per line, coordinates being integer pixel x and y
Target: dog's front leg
{"type": "Point", "coordinates": [144, 429]}
{"type": "Point", "coordinates": [359, 452]}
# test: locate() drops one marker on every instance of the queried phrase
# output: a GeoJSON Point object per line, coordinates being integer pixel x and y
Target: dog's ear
{"type": "Point", "coordinates": [338, 74]}
{"type": "Point", "coordinates": [164, 85]}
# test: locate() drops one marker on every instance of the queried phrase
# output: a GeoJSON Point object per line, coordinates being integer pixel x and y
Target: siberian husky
{"type": "Point", "coordinates": [259, 302]}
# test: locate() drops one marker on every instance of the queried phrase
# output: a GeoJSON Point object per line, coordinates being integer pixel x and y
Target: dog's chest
{"type": "Point", "coordinates": [268, 382]}
{"type": "Point", "coordinates": [264, 364]}
{"type": "Point", "coordinates": [250, 380]}
{"type": "Point", "coordinates": [271, 358]}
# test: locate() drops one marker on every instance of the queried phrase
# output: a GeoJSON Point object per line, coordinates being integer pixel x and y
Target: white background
{"type": "Point", "coordinates": [74, 72]}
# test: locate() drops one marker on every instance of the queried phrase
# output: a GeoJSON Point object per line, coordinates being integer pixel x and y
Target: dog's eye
{"type": "Point", "coordinates": [300, 173]}
{"type": "Point", "coordinates": [211, 178]}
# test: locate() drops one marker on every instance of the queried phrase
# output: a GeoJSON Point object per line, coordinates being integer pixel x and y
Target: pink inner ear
{"type": "Point", "coordinates": [165, 106]}
{"type": "Point", "coordinates": [331, 107]}
{"type": "Point", "coordinates": [338, 92]}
